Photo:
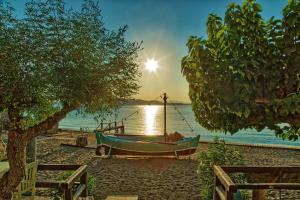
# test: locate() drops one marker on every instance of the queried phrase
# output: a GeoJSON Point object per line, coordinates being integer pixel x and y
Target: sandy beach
{"type": "Point", "coordinates": [153, 178]}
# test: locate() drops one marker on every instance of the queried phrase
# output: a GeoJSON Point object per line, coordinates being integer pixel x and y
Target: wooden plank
{"type": "Point", "coordinates": [122, 197]}
{"type": "Point", "coordinates": [287, 186]}
{"type": "Point", "coordinates": [78, 173]}
{"type": "Point", "coordinates": [221, 193]}
{"type": "Point", "coordinates": [74, 145]}
{"type": "Point", "coordinates": [48, 184]}
{"type": "Point", "coordinates": [224, 179]}
{"type": "Point", "coordinates": [263, 169]}
{"type": "Point", "coordinates": [53, 167]}
{"type": "Point", "coordinates": [269, 146]}
{"type": "Point", "coordinates": [79, 191]}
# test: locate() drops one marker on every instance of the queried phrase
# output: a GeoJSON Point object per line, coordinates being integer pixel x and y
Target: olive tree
{"type": "Point", "coordinates": [246, 73]}
{"type": "Point", "coordinates": [55, 60]}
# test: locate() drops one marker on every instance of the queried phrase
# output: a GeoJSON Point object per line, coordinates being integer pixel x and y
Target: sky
{"type": "Point", "coordinates": [164, 26]}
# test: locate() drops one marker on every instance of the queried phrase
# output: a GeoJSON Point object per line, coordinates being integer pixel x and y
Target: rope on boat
{"type": "Point", "coordinates": [181, 115]}
{"type": "Point", "coordinates": [128, 116]}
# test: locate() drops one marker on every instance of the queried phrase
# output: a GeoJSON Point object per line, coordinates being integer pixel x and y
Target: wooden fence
{"type": "Point", "coordinates": [224, 187]}
{"type": "Point", "coordinates": [67, 185]}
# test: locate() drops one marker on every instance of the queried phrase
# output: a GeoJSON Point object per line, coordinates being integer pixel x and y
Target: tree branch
{"type": "Point", "coordinates": [49, 122]}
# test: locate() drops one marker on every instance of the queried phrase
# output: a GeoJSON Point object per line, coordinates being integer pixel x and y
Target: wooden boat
{"type": "Point", "coordinates": [173, 137]}
{"type": "Point", "coordinates": [151, 138]}
{"type": "Point", "coordinates": [120, 146]}
{"type": "Point", "coordinates": [145, 145]}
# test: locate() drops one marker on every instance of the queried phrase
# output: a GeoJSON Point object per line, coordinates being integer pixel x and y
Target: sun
{"type": "Point", "coordinates": [151, 65]}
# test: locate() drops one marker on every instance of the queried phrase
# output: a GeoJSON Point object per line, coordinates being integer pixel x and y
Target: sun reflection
{"type": "Point", "coordinates": [150, 116]}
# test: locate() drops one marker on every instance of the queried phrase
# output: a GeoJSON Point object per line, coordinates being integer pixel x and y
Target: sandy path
{"type": "Point", "coordinates": [154, 178]}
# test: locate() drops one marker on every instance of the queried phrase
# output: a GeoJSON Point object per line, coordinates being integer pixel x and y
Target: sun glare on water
{"type": "Point", "coordinates": [150, 118]}
{"type": "Point", "coordinates": [151, 65]}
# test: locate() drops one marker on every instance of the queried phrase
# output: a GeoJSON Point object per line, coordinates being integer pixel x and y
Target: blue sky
{"type": "Point", "coordinates": [164, 26]}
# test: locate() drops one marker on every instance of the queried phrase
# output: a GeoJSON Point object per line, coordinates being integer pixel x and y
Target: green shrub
{"type": "Point", "coordinates": [217, 154]}
{"type": "Point", "coordinates": [56, 194]}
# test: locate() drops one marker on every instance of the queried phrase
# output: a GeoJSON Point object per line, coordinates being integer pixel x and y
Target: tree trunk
{"type": "Point", "coordinates": [16, 147]}
{"type": "Point", "coordinates": [31, 151]}
{"type": "Point", "coordinates": [16, 157]}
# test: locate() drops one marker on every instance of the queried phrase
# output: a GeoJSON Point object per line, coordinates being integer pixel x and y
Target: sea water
{"type": "Point", "coordinates": [148, 119]}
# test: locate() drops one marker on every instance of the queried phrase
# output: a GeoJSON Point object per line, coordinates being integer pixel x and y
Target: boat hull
{"type": "Point", "coordinates": [153, 138]}
{"type": "Point", "coordinates": [116, 151]}
{"type": "Point", "coordinates": [120, 146]}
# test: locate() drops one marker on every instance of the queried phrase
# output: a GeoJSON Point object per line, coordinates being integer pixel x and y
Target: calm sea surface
{"type": "Point", "coordinates": [149, 120]}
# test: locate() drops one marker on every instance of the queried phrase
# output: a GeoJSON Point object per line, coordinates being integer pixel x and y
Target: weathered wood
{"type": "Point", "coordinates": [48, 184]}
{"type": "Point", "coordinates": [74, 145]}
{"type": "Point", "coordinates": [68, 194]}
{"type": "Point", "coordinates": [216, 184]}
{"type": "Point", "coordinates": [224, 179]}
{"type": "Point", "coordinates": [81, 188]}
{"type": "Point", "coordinates": [66, 186]}
{"type": "Point", "coordinates": [287, 186]}
{"type": "Point", "coordinates": [53, 167]}
{"type": "Point", "coordinates": [78, 173]}
{"type": "Point", "coordinates": [263, 169]}
{"type": "Point", "coordinates": [84, 180]}
{"type": "Point", "coordinates": [224, 188]}
{"type": "Point", "coordinates": [122, 197]}
{"type": "Point", "coordinates": [221, 192]}
{"type": "Point", "coordinates": [229, 195]}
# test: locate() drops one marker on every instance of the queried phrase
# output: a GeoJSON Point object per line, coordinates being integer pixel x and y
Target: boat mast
{"type": "Point", "coordinates": [165, 114]}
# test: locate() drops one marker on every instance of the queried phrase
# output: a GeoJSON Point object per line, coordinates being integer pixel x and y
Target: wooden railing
{"type": "Point", "coordinates": [67, 185]}
{"type": "Point", "coordinates": [112, 126]}
{"type": "Point", "coordinates": [224, 187]}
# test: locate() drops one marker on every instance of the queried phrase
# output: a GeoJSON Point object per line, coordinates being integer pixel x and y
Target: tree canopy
{"type": "Point", "coordinates": [55, 60]}
{"type": "Point", "coordinates": [246, 73]}
{"type": "Point", "coordinates": [56, 57]}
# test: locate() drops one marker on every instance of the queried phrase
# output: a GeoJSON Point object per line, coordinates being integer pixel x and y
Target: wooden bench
{"type": "Point", "coordinates": [122, 197]}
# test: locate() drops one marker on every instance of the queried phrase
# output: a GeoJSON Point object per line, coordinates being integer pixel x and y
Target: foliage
{"type": "Point", "coordinates": [57, 194]}
{"type": "Point", "coordinates": [53, 61]}
{"type": "Point", "coordinates": [217, 154]}
{"type": "Point", "coordinates": [246, 73]}
{"type": "Point", "coordinates": [56, 57]}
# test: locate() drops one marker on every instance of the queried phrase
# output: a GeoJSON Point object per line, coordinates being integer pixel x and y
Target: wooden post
{"type": "Point", "coordinates": [101, 125]}
{"type": "Point", "coordinates": [122, 128]}
{"type": "Point", "coordinates": [216, 183]}
{"type": "Point", "coordinates": [229, 195]}
{"type": "Point", "coordinates": [68, 194]}
{"type": "Point", "coordinates": [165, 116]}
{"type": "Point", "coordinates": [116, 130]}
{"type": "Point", "coordinates": [84, 180]}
